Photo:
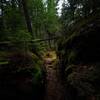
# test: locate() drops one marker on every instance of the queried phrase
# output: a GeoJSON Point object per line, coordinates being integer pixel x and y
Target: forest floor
{"type": "Point", "coordinates": [54, 87]}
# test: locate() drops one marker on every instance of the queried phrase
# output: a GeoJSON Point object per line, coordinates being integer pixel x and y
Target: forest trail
{"type": "Point", "coordinates": [54, 87]}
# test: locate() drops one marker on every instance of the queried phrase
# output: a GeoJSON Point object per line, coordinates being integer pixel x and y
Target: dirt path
{"type": "Point", "coordinates": [54, 86]}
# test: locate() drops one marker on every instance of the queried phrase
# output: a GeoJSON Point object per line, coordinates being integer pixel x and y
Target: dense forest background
{"type": "Point", "coordinates": [29, 29]}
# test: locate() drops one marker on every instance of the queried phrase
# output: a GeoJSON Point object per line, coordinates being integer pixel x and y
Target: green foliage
{"type": "Point", "coordinates": [52, 19]}
{"type": "Point", "coordinates": [40, 47]}
{"type": "Point", "coordinates": [21, 39]}
{"type": "Point", "coordinates": [13, 18]}
{"type": "Point", "coordinates": [3, 62]}
{"type": "Point", "coordinates": [37, 13]}
{"type": "Point", "coordinates": [71, 56]}
{"type": "Point", "coordinates": [22, 35]}
{"type": "Point", "coordinates": [77, 9]}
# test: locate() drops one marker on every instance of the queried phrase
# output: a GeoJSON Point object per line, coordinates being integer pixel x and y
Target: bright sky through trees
{"type": "Point", "coordinates": [60, 6]}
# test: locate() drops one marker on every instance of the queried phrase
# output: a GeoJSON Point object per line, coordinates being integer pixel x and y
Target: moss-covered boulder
{"type": "Point", "coordinates": [21, 77]}
{"type": "Point", "coordinates": [79, 53]}
{"type": "Point", "coordinates": [82, 43]}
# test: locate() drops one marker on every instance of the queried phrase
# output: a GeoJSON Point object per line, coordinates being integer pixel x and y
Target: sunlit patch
{"type": "Point", "coordinates": [50, 57]}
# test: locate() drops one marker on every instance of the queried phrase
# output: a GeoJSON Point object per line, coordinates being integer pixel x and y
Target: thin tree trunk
{"type": "Point", "coordinates": [49, 41]}
{"type": "Point", "coordinates": [27, 16]}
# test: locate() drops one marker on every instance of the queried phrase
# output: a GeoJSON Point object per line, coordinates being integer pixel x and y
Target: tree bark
{"type": "Point", "coordinates": [27, 16]}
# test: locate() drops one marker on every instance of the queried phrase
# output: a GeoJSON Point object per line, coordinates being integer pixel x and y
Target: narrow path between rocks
{"type": "Point", "coordinates": [54, 86]}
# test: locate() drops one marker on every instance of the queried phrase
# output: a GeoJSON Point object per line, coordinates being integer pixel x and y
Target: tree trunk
{"type": "Point", "coordinates": [49, 41]}
{"type": "Point", "coordinates": [27, 16]}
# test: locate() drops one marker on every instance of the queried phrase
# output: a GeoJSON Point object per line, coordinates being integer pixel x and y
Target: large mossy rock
{"type": "Point", "coordinates": [83, 43]}
{"type": "Point", "coordinates": [79, 52]}
{"type": "Point", "coordinates": [21, 77]}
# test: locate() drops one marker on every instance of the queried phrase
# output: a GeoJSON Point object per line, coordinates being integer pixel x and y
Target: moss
{"type": "Point", "coordinates": [71, 57]}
